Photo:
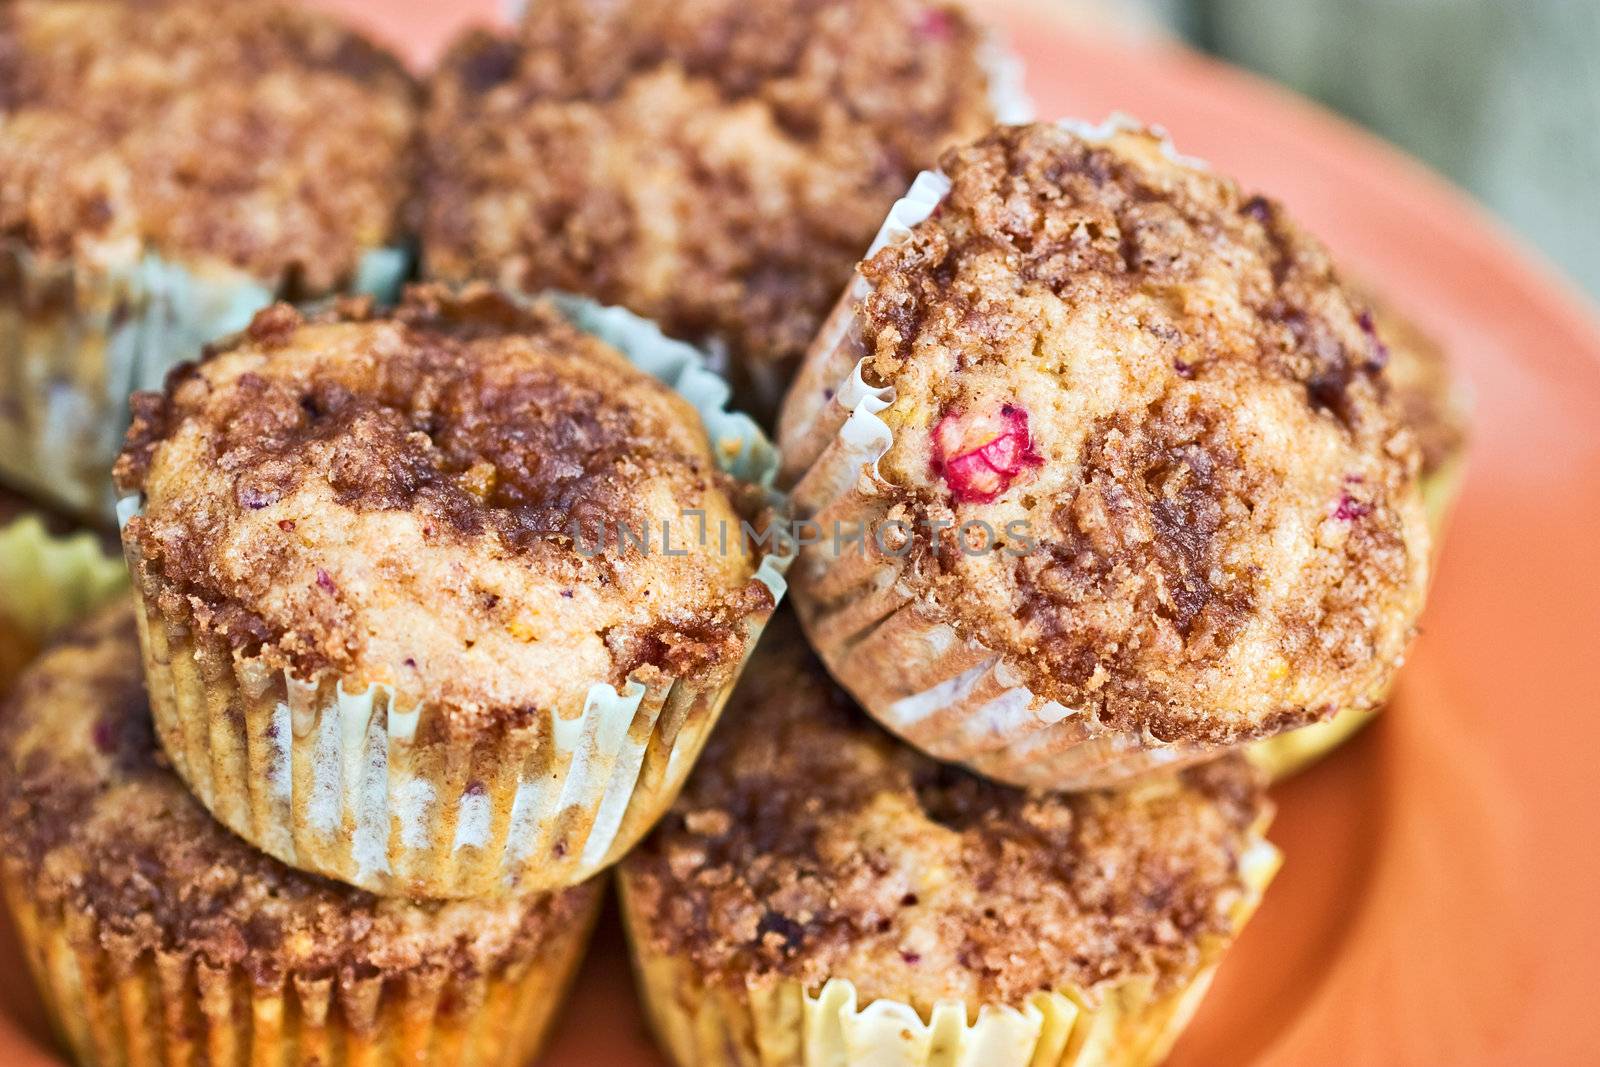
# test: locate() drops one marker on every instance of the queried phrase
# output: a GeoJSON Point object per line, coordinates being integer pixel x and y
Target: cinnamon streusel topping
{"type": "Point", "coordinates": [1432, 401]}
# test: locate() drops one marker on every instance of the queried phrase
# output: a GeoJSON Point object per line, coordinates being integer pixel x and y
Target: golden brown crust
{"type": "Point", "coordinates": [717, 165]}
{"type": "Point", "coordinates": [1427, 392]}
{"type": "Point", "coordinates": [256, 136]}
{"type": "Point", "coordinates": [435, 500]}
{"type": "Point", "coordinates": [1224, 535]}
{"type": "Point", "coordinates": [810, 845]}
{"type": "Point", "coordinates": [94, 823]}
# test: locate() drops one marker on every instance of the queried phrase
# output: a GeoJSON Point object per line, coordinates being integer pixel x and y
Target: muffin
{"type": "Point", "coordinates": [1433, 402]}
{"type": "Point", "coordinates": [442, 602]}
{"type": "Point", "coordinates": [714, 165]}
{"type": "Point", "coordinates": [1107, 472]}
{"type": "Point", "coordinates": [170, 167]}
{"type": "Point", "coordinates": [1433, 405]}
{"type": "Point", "coordinates": [155, 936]}
{"type": "Point", "coordinates": [824, 894]}
{"type": "Point", "coordinates": [47, 582]}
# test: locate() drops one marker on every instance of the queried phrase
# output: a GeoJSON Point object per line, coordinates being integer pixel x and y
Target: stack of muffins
{"type": "Point", "coordinates": [1103, 498]}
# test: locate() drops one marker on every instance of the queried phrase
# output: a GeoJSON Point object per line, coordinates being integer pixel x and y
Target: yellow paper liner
{"type": "Point", "coordinates": [49, 582]}
{"type": "Point", "coordinates": [46, 583]}
{"type": "Point", "coordinates": [118, 1008]}
{"type": "Point", "coordinates": [779, 1023]}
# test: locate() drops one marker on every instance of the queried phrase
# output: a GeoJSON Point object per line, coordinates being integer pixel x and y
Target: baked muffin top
{"type": "Point", "coordinates": [1431, 400]}
{"type": "Point", "coordinates": [716, 165]}
{"type": "Point", "coordinates": [811, 845]}
{"type": "Point", "coordinates": [1159, 397]}
{"type": "Point", "coordinates": [94, 822]}
{"type": "Point", "coordinates": [462, 499]}
{"type": "Point", "coordinates": [255, 136]}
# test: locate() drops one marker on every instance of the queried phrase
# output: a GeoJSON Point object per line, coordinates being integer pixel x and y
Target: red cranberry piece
{"type": "Point", "coordinates": [255, 499]}
{"type": "Point", "coordinates": [1258, 208]}
{"type": "Point", "coordinates": [936, 25]}
{"type": "Point", "coordinates": [1380, 351]}
{"type": "Point", "coordinates": [107, 735]}
{"type": "Point", "coordinates": [1350, 509]}
{"type": "Point", "coordinates": [980, 456]}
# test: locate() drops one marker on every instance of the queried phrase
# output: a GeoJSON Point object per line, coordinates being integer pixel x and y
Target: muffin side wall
{"type": "Point", "coordinates": [350, 786]}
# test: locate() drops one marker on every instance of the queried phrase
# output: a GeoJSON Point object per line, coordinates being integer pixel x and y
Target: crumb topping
{"type": "Point", "coordinates": [258, 137]}
{"type": "Point", "coordinates": [1418, 369]}
{"type": "Point", "coordinates": [811, 845]}
{"type": "Point", "coordinates": [463, 499]}
{"type": "Point", "coordinates": [94, 822]}
{"type": "Point", "coordinates": [1224, 536]}
{"type": "Point", "coordinates": [716, 165]}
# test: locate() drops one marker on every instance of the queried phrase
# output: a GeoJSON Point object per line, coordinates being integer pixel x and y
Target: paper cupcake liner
{"type": "Point", "coordinates": [46, 583]}
{"type": "Point", "coordinates": [780, 1023]}
{"type": "Point", "coordinates": [74, 343]}
{"type": "Point", "coordinates": [157, 1009]}
{"type": "Point", "coordinates": [336, 782]}
{"type": "Point", "coordinates": [1290, 753]}
{"type": "Point", "coordinates": [1007, 76]}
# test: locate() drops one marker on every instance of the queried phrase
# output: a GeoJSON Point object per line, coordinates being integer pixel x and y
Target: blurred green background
{"type": "Point", "coordinates": [1502, 96]}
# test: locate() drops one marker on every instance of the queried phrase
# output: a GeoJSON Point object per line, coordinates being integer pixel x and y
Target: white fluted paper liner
{"type": "Point", "coordinates": [1007, 77]}
{"type": "Point", "coordinates": [949, 695]}
{"type": "Point", "coordinates": [75, 342]}
{"type": "Point", "coordinates": [335, 782]}
{"type": "Point", "coordinates": [779, 1023]}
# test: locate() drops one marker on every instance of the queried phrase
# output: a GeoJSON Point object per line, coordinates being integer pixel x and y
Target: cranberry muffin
{"type": "Point", "coordinates": [1433, 404]}
{"type": "Point", "coordinates": [825, 894]}
{"type": "Point", "coordinates": [1133, 483]}
{"type": "Point", "coordinates": [715, 165]}
{"type": "Point", "coordinates": [158, 937]}
{"type": "Point", "coordinates": [442, 601]}
{"type": "Point", "coordinates": [171, 166]}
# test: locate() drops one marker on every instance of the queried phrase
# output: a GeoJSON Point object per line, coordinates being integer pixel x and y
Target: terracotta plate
{"type": "Point", "coordinates": [1438, 904]}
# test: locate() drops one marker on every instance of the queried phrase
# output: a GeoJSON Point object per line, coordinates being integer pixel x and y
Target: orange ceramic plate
{"type": "Point", "coordinates": [1438, 905]}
